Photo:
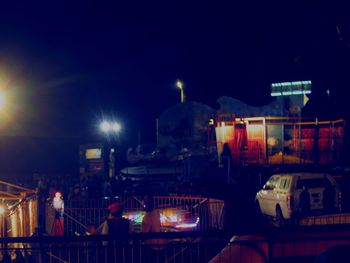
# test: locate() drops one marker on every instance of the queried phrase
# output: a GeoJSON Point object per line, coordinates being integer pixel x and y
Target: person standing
{"type": "Point", "coordinates": [226, 161]}
{"type": "Point", "coordinates": [226, 155]}
{"type": "Point", "coordinates": [151, 224]}
{"type": "Point", "coordinates": [304, 202]}
{"type": "Point", "coordinates": [115, 225]}
{"type": "Point", "coordinates": [328, 197]}
{"type": "Point", "coordinates": [58, 223]}
{"type": "Point", "coordinates": [117, 229]}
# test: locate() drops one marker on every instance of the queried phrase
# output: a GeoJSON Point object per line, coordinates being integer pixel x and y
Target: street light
{"type": "Point", "coordinates": [180, 85]}
{"type": "Point", "coordinates": [2, 210]}
{"type": "Point", "coordinates": [116, 127]}
{"type": "Point", "coordinates": [104, 126]}
{"type": "Point", "coordinates": [2, 99]}
{"type": "Point", "coordinates": [111, 129]}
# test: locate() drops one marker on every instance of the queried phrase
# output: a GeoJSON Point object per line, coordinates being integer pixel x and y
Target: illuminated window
{"type": "Point", "coordinates": [95, 153]}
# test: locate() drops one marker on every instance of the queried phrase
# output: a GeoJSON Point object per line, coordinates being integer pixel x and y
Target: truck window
{"type": "Point", "coordinates": [285, 183]}
{"type": "Point", "coordinates": [271, 183]}
{"type": "Point", "coordinates": [310, 183]}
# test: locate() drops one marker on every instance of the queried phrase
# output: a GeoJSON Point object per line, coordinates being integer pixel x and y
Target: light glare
{"type": "Point", "coordinates": [2, 100]}
{"type": "Point", "coordinates": [110, 127]}
{"type": "Point", "coordinates": [2, 210]}
{"type": "Point", "coordinates": [116, 127]}
{"type": "Point", "coordinates": [105, 126]}
{"type": "Point", "coordinates": [179, 84]}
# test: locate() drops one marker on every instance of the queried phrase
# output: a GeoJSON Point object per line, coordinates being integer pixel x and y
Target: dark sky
{"type": "Point", "coordinates": [66, 65]}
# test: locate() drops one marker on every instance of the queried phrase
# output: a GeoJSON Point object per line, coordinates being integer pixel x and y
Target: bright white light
{"type": "Point", "coordinates": [179, 84]}
{"type": "Point", "coordinates": [105, 126]}
{"type": "Point", "coordinates": [274, 94]}
{"type": "Point", "coordinates": [188, 225]}
{"type": "Point", "coordinates": [2, 100]}
{"type": "Point", "coordinates": [116, 127]}
{"type": "Point", "coordinates": [2, 210]}
{"type": "Point", "coordinates": [110, 127]}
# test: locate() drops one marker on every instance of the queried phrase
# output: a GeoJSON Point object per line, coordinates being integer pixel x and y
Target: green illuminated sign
{"type": "Point", "coordinates": [291, 88]}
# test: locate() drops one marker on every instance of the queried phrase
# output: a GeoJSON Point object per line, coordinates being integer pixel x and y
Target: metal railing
{"type": "Point", "coordinates": [134, 248]}
{"type": "Point", "coordinates": [304, 245]}
{"type": "Point", "coordinates": [79, 214]}
{"type": "Point", "coordinates": [332, 219]}
{"type": "Point", "coordinates": [20, 219]}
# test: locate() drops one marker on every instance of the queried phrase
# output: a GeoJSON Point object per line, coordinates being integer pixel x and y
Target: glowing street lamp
{"type": "Point", "coordinates": [104, 126]}
{"type": "Point", "coordinates": [2, 99]}
{"type": "Point", "coordinates": [2, 210]}
{"type": "Point", "coordinates": [110, 127]}
{"type": "Point", "coordinates": [180, 85]}
{"type": "Point", "coordinates": [116, 127]}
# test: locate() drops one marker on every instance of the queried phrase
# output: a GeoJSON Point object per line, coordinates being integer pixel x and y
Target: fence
{"type": "Point", "coordinates": [301, 245]}
{"type": "Point", "coordinates": [18, 210]}
{"type": "Point", "coordinates": [20, 218]}
{"type": "Point", "coordinates": [333, 219]}
{"type": "Point", "coordinates": [176, 248]}
{"type": "Point", "coordinates": [306, 245]}
{"type": "Point", "coordinates": [177, 213]}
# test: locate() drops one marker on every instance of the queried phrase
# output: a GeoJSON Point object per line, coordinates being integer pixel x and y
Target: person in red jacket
{"type": "Point", "coordinates": [115, 225]}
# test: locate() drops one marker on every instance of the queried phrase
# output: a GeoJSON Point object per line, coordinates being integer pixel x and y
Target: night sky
{"type": "Point", "coordinates": [67, 65]}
